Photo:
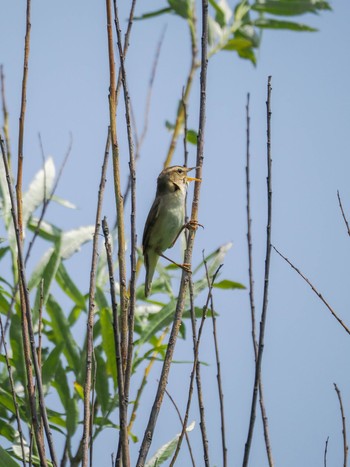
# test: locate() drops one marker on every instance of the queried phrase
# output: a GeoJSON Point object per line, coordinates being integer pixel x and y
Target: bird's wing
{"type": "Point", "coordinates": [151, 220]}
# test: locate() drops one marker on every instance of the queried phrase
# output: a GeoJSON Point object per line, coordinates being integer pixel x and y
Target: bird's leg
{"type": "Point", "coordinates": [185, 266]}
{"type": "Point", "coordinates": [190, 225]}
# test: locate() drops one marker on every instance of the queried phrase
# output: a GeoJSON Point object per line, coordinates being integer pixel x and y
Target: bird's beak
{"type": "Point", "coordinates": [192, 179]}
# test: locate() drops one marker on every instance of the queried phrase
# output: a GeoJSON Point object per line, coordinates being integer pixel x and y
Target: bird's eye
{"type": "Point", "coordinates": [179, 171]}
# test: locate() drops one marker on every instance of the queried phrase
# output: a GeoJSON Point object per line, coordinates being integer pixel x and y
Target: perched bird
{"type": "Point", "coordinates": [166, 218]}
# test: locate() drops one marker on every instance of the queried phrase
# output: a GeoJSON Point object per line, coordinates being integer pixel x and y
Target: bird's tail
{"type": "Point", "coordinates": [151, 260]}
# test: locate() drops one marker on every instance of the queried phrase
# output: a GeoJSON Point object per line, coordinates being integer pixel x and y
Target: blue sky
{"type": "Point", "coordinates": [306, 350]}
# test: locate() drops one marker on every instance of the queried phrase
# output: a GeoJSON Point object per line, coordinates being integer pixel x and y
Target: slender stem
{"type": "Point", "coordinates": [220, 388]}
{"type": "Point", "coordinates": [266, 283]}
{"type": "Point", "coordinates": [190, 390]}
{"type": "Point", "coordinates": [117, 188]}
{"type": "Point", "coordinates": [251, 292]}
{"type": "Point", "coordinates": [320, 296]}
{"type": "Point", "coordinates": [147, 439]}
{"type": "Point", "coordinates": [30, 330]}
{"type": "Point", "coordinates": [182, 424]}
{"type": "Point", "coordinates": [343, 214]}
{"type": "Point", "coordinates": [325, 453]}
{"type": "Point", "coordinates": [122, 401]}
{"type": "Point", "coordinates": [5, 116]}
{"type": "Point", "coordinates": [345, 443]}
{"type": "Point", "coordinates": [13, 393]}
{"type": "Point", "coordinates": [91, 312]}
{"type": "Point", "coordinates": [186, 93]}
{"type": "Point", "coordinates": [132, 297]}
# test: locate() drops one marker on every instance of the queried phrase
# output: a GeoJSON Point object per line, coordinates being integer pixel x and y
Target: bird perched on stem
{"type": "Point", "coordinates": [166, 218]}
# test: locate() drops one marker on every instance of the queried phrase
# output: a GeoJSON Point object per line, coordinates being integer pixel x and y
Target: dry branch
{"type": "Point", "coordinates": [345, 443]}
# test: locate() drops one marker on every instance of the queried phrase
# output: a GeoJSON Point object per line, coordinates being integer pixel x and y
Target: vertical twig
{"type": "Point", "coordinates": [320, 296]}
{"type": "Point", "coordinates": [186, 92]}
{"type": "Point", "coordinates": [219, 380]}
{"type": "Point", "coordinates": [91, 312]}
{"type": "Point", "coordinates": [147, 439]}
{"type": "Point", "coordinates": [343, 213]}
{"type": "Point", "coordinates": [123, 403]}
{"type": "Point", "coordinates": [251, 292]}
{"type": "Point", "coordinates": [190, 390]}
{"type": "Point", "coordinates": [345, 443]}
{"type": "Point", "coordinates": [30, 331]}
{"type": "Point", "coordinates": [266, 283]}
{"type": "Point", "coordinates": [5, 116]}
{"type": "Point", "coordinates": [325, 453]}
{"type": "Point", "coordinates": [139, 140]}
{"type": "Point", "coordinates": [13, 393]}
{"type": "Point", "coordinates": [132, 298]}
{"type": "Point", "coordinates": [117, 188]}
{"type": "Point", "coordinates": [182, 424]}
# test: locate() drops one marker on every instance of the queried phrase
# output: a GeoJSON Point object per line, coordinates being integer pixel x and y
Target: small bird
{"type": "Point", "coordinates": [166, 218]}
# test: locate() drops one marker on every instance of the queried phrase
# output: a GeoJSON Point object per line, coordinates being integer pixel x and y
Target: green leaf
{"type": "Point", "coordinates": [62, 333]}
{"type": "Point", "coordinates": [226, 284]}
{"type": "Point", "coordinates": [182, 8]}
{"type": "Point", "coordinates": [50, 364]}
{"type": "Point", "coordinates": [4, 250]}
{"type": "Point", "coordinates": [68, 286]}
{"type": "Point", "coordinates": [223, 12]}
{"type": "Point", "coordinates": [158, 321]}
{"type": "Point", "coordinates": [102, 386]}
{"type": "Point", "coordinates": [290, 7]}
{"type": "Point", "coordinates": [108, 342]}
{"type": "Point", "coordinates": [152, 14]}
{"type": "Point", "coordinates": [238, 43]}
{"type": "Point", "coordinates": [17, 349]}
{"type": "Point", "coordinates": [192, 137]}
{"type": "Point", "coordinates": [6, 460]}
{"type": "Point", "coordinates": [69, 403]}
{"type": "Point", "coordinates": [268, 23]}
{"type": "Point", "coordinates": [166, 450]}
{"type": "Point", "coordinates": [46, 230]}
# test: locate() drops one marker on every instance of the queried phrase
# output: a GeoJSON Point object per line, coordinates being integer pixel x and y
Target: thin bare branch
{"type": "Point", "coordinates": [5, 116]}
{"type": "Point", "coordinates": [182, 424]}
{"type": "Point", "coordinates": [122, 401]}
{"type": "Point", "coordinates": [320, 296]}
{"type": "Point", "coordinates": [13, 393]}
{"type": "Point", "coordinates": [266, 283]}
{"type": "Point", "coordinates": [325, 453]}
{"type": "Point", "coordinates": [117, 188]}
{"type": "Point", "coordinates": [139, 140]}
{"type": "Point", "coordinates": [147, 439]}
{"type": "Point", "coordinates": [343, 213]}
{"type": "Point", "coordinates": [251, 290]}
{"type": "Point", "coordinates": [345, 443]}
{"type": "Point", "coordinates": [91, 313]}
{"type": "Point", "coordinates": [27, 312]}
{"type": "Point", "coordinates": [219, 380]}
{"type": "Point", "coordinates": [190, 389]}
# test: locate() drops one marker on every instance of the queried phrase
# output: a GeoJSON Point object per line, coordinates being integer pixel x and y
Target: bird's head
{"type": "Point", "coordinates": [175, 178]}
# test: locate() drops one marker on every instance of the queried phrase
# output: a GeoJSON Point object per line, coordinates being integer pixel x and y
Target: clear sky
{"type": "Point", "coordinates": [306, 350]}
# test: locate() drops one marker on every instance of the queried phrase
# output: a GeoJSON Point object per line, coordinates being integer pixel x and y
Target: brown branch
{"type": "Point", "coordinates": [251, 290]}
{"type": "Point", "coordinates": [5, 116]}
{"type": "Point", "coordinates": [182, 424]}
{"type": "Point", "coordinates": [91, 312]}
{"type": "Point", "coordinates": [343, 214]}
{"type": "Point", "coordinates": [186, 92]}
{"type": "Point", "coordinates": [27, 312]}
{"type": "Point", "coordinates": [117, 188]}
{"type": "Point", "coordinates": [345, 444]}
{"type": "Point", "coordinates": [266, 283]}
{"type": "Point", "coordinates": [190, 389]}
{"type": "Point", "coordinates": [132, 298]}
{"type": "Point", "coordinates": [123, 423]}
{"type": "Point", "coordinates": [139, 140]}
{"type": "Point", "coordinates": [219, 381]}
{"type": "Point", "coordinates": [13, 393]}
{"type": "Point", "coordinates": [147, 439]}
{"type": "Point", "coordinates": [325, 453]}
{"type": "Point", "coordinates": [320, 296]}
